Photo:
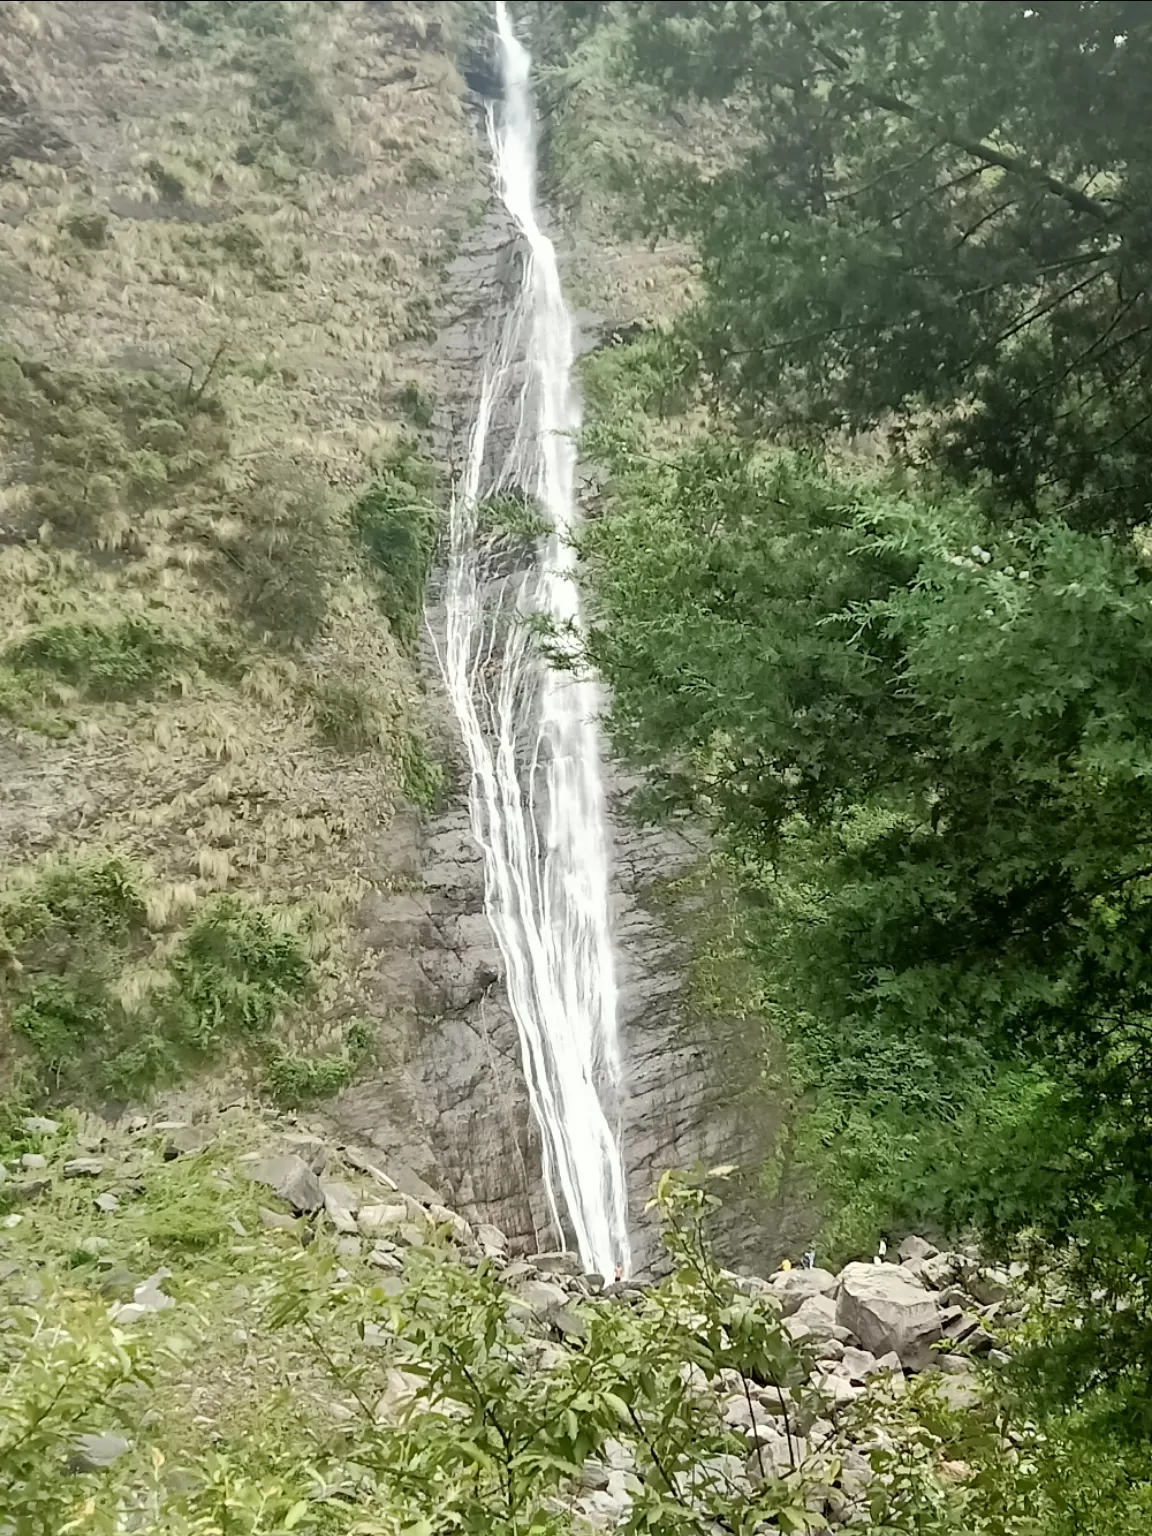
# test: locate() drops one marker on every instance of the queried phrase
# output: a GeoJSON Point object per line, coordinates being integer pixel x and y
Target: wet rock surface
{"type": "Point", "coordinates": [457, 1110]}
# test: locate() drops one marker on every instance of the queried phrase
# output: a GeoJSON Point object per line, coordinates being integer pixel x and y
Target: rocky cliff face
{"type": "Point", "coordinates": [259, 206]}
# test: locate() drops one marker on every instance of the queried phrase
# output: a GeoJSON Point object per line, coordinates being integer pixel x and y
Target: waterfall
{"type": "Point", "coordinates": [536, 795]}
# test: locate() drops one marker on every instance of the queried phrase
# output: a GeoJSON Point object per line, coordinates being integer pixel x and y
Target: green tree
{"type": "Point", "coordinates": [925, 742]}
{"type": "Point", "coordinates": [931, 206]}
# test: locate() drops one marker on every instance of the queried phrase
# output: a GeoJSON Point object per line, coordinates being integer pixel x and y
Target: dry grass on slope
{"type": "Point", "coordinates": [219, 270]}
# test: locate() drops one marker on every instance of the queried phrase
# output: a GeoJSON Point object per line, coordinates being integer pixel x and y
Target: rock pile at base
{"type": "Point", "coordinates": [865, 1329]}
{"type": "Point", "coordinates": [868, 1327]}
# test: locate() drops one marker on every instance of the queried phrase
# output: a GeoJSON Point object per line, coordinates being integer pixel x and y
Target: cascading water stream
{"type": "Point", "coordinates": [536, 795]}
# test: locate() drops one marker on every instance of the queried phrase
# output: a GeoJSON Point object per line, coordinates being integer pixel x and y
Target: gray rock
{"type": "Point", "coordinates": [542, 1296]}
{"type": "Point", "coordinates": [94, 1453]}
{"type": "Point", "coordinates": [979, 1342]}
{"type": "Point", "coordinates": [38, 1125]}
{"type": "Point", "coordinates": [916, 1248]}
{"type": "Point", "coordinates": [837, 1389]}
{"type": "Point", "coordinates": [563, 1263]}
{"type": "Point", "coordinates": [348, 1247]}
{"type": "Point", "coordinates": [30, 1189]}
{"type": "Point", "coordinates": [816, 1319]}
{"type": "Point", "coordinates": [381, 1218]}
{"type": "Point", "coordinates": [384, 1258]}
{"type": "Point", "coordinates": [794, 1286]}
{"type": "Point", "coordinates": [942, 1270]}
{"type": "Point", "coordinates": [186, 1141]}
{"type": "Point", "coordinates": [277, 1221]}
{"type": "Point", "coordinates": [292, 1179]}
{"type": "Point", "coordinates": [959, 1392]}
{"type": "Point", "coordinates": [858, 1364]}
{"type": "Point", "coordinates": [33, 1162]}
{"type": "Point", "coordinates": [887, 1309]}
{"type": "Point", "coordinates": [339, 1194]}
{"type": "Point", "coordinates": [990, 1285]}
{"type": "Point", "coordinates": [492, 1241]}
{"type": "Point", "coordinates": [955, 1365]}
{"type": "Point", "coordinates": [593, 1476]}
{"type": "Point", "coordinates": [309, 1149]}
{"type": "Point", "coordinates": [412, 1234]}
{"type": "Point", "coordinates": [147, 1298]}
{"type": "Point", "coordinates": [107, 1202]}
{"type": "Point", "coordinates": [83, 1168]}
{"type": "Point", "coordinates": [568, 1324]}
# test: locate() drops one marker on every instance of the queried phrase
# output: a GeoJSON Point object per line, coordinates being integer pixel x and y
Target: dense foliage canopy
{"type": "Point", "coordinates": [940, 205]}
{"type": "Point", "coordinates": [909, 689]}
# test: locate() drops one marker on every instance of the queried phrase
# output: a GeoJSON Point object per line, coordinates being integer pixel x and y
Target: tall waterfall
{"type": "Point", "coordinates": [536, 796]}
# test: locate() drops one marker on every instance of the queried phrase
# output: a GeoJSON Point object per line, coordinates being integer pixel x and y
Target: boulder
{"type": "Point", "coordinates": [888, 1309]}
{"type": "Point", "coordinates": [858, 1364]}
{"type": "Point", "coordinates": [37, 1125]}
{"type": "Point", "coordinates": [107, 1202]}
{"type": "Point", "coordinates": [542, 1296]}
{"type": "Point", "coordinates": [291, 1178]}
{"type": "Point", "coordinates": [561, 1263]}
{"type": "Point", "coordinates": [186, 1141]}
{"type": "Point", "coordinates": [94, 1453]}
{"type": "Point", "coordinates": [33, 1162]}
{"type": "Point", "coordinates": [492, 1241]}
{"type": "Point", "coordinates": [83, 1168]}
{"type": "Point", "coordinates": [916, 1248]}
{"type": "Point", "coordinates": [381, 1218]}
{"type": "Point", "coordinates": [816, 1320]}
{"type": "Point", "coordinates": [942, 1270]}
{"type": "Point", "coordinates": [793, 1287]}
{"type": "Point", "coordinates": [990, 1285]}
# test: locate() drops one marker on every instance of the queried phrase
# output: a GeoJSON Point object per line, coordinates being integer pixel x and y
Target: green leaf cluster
{"type": "Point", "coordinates": [398, 521]}
{"type": "Point", "coordinates": [69, 943]}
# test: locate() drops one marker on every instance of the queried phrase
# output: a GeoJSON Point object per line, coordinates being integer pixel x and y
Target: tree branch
{"type": "Point", "coordinates": [980, 149]}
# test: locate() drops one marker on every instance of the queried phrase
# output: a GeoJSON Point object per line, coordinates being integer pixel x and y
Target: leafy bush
{"type": "Point", "coordinates": [234, 971]}
{"type": "Point", "coordinates": [89, 228]}
{"type": "Point", "coordinates": [344, 715]}
{"type": "Point", "coordinates": [95, 449]}
{"type": "Point", "coordinates": [423, 778]}
{"type": "Point", "coordinates": [105, 661]}
{"type": "Point", "coordinates": [398, 521]}
{"type": "Point", "coordinates": [292, 1080]}
{"type": "Point", "coordinates": [69, 940]}
{"type": "Point", "coordinates": [417, 406]}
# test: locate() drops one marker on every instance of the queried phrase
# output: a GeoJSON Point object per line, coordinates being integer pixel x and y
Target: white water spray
{"type": "Point", "coordinates": [536, 797]}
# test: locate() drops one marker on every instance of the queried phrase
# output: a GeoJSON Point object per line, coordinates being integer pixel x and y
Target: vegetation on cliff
{"type": "Point", "coordinates": [216, 521]}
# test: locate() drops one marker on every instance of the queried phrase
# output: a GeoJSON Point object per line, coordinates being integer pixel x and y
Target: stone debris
{"type": "Point", "coordinates": [885, 1308]}
{"type": "Point", "coordinates": [147, 1298]}
{"type": "Point", "coordinates": [83, 1168]}
{"type": "Point", "coordinates": [796, 1286]}
{"type": "Point", "coordinates": [292, 1179]}
{"type": "Point", "coordinates": [95, 1453]}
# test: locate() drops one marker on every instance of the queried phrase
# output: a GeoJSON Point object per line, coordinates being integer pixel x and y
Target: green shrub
{"type": "Point", "coordinates": [279, 565]}
{"type": "Point", "coordinates": [343, 715]}
{"type": "Point", "coordinates": [104, 661]}
{"type": "Point", "coordinates": [234, 972]}
{"type": "Point", "coordinates": [90, 228]}
{"type": "Point", "coordinates": [292, 1080]}
{"type": "Point", "coordinates": [423, 778]}
{"type": "Point", "coordinates": [90, 445]}
{"type": "Point", "coordinates": [398, 521]}
{"type": "Point", "coordinates": [67, 942]}
{"type": "Point", "coordinates": [417, 406]}
{"type": "Point", "coordinates": [32, 707]}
